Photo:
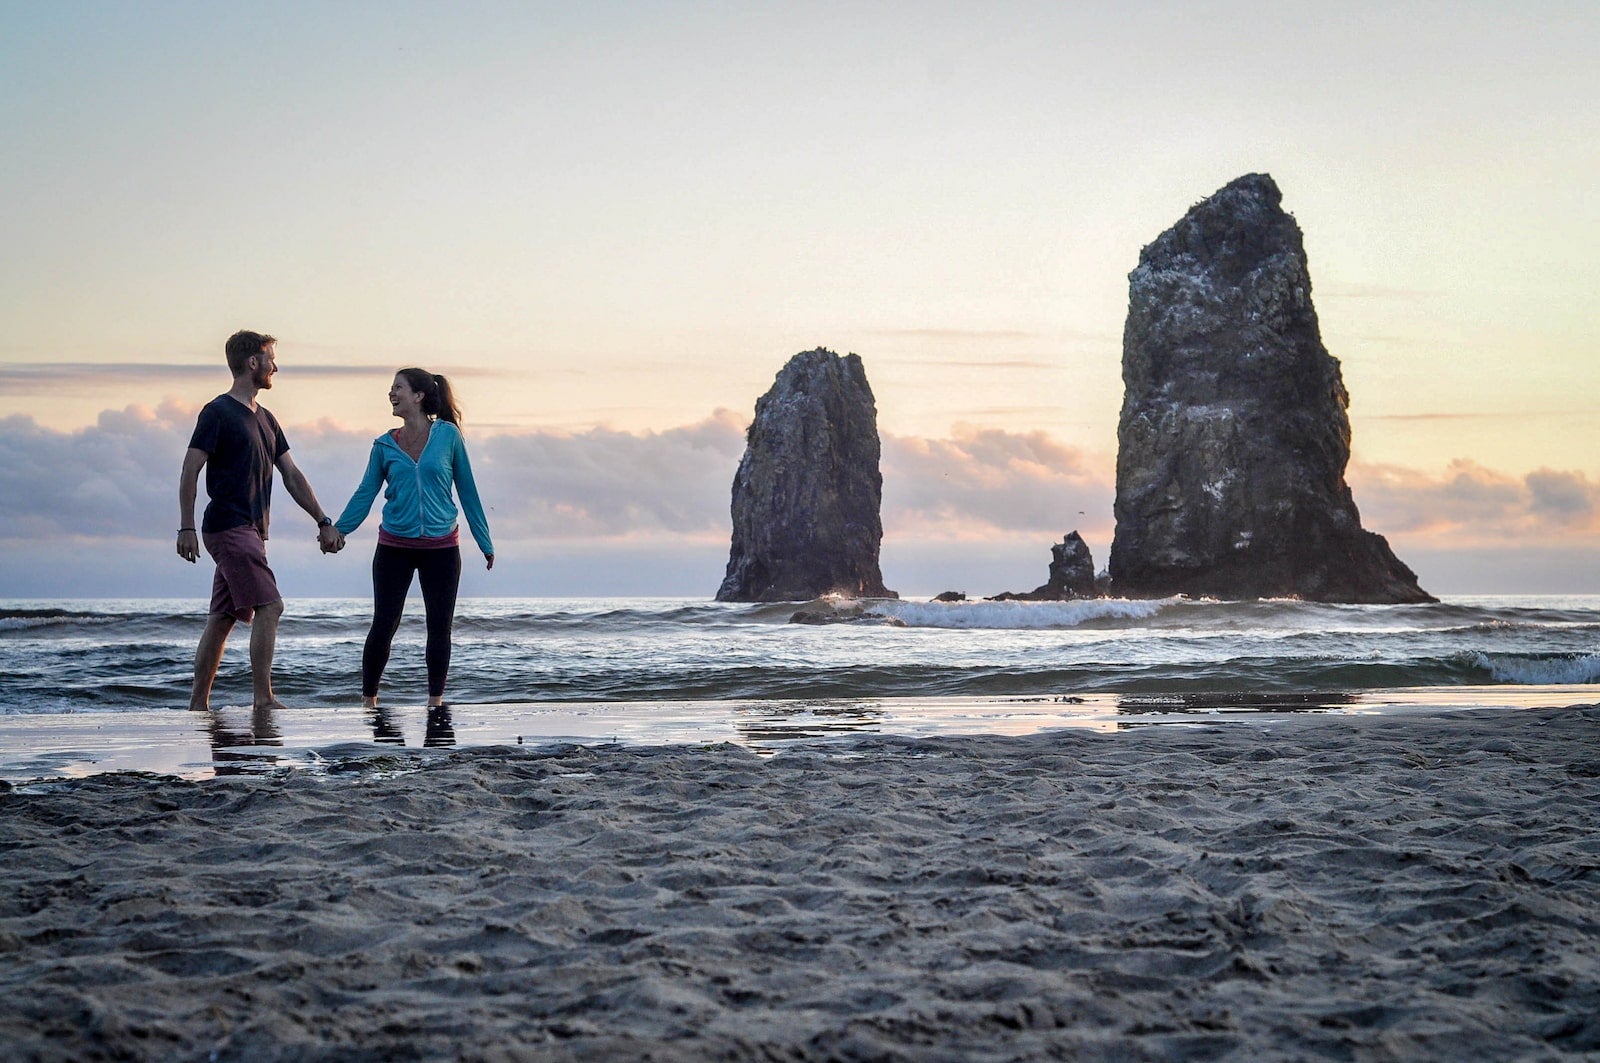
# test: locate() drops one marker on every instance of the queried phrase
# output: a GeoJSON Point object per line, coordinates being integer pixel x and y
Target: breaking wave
{"type": "Point", "coordinates": [1540, 670]}
{"type": "Point", "coordinates": [1021, 615]}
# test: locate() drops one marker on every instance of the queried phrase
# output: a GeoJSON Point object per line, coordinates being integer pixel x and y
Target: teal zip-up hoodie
{"type": "Point", "coordinates": [417, 500]}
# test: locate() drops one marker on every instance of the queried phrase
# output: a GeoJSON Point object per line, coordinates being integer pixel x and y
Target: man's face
{"type": "Point", "coordinates": [266, 365]}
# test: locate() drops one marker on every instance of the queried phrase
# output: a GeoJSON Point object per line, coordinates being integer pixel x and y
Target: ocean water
{"type": "Point", "coordinates": [111, 656]}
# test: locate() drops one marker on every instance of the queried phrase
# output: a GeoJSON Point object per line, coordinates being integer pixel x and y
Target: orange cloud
{"type": "Point", "coordinates": [983, 482]}
{"type": "Point", "coordinates": [1469, 505]}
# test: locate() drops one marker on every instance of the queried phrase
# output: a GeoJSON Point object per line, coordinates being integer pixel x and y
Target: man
{"type": "Point", "coordinates": [238, 442]}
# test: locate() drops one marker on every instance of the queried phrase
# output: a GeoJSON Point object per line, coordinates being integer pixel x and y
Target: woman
{"type": "Point", "coordinates": [420, 462]}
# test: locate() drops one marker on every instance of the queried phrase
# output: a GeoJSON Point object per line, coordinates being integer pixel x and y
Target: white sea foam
{"type": "Point", "coordinates": [27, 623]}
{"type": "Point", "coordinates": [1540, 671]}
{"type": "Point", "coordinates": [1020, 615]}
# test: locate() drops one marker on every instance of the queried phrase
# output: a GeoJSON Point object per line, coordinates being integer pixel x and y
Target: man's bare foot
{"type": "Point", "coordinates": [369, 703]}
{"type": "Point", "coordinates": [269, 706]}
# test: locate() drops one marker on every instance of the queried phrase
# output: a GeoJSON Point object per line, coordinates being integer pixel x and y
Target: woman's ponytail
{"type": "Point", "coordinates": [438, 398]}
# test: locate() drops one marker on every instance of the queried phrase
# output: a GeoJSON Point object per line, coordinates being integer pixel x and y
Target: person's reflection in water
{"type": "Point", "coordinates": [230, 742]}
{"type": "Point", "coordinates": [441, 730]}
{"type": "Point", "coordinates": [384, 729]}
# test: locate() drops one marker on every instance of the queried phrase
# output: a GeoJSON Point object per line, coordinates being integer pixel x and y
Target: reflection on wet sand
{"type": "Point", "coordinates": [438, 732]}
{"type": "Point", "coordinates": [1194, 707]}
{"type": "Point", "coordinates": [233, 742]}
{"type": "Point", "coordinates": [767, 726]}
{"type": "Point", "coordinates": [384, 728]}
{"type": "Point", "coordinates": [441, 731]}
{"type": "Point", "coordinates": [786, 722]}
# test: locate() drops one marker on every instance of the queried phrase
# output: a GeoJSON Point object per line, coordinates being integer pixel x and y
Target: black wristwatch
{"type": "Point", "coordinates": [325, 522]}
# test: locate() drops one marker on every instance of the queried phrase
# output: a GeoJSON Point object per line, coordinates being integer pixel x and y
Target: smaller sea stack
{"type": "Point", "coordinates": [1071, 575]}
{"type": "Point", "coordinates": [808, 493]}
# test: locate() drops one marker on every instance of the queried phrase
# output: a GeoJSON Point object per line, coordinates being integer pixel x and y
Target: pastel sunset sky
{"type": "Point", "coordinates": [612, 223]}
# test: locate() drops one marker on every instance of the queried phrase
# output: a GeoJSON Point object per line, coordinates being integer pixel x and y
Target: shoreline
{"type": "Point", "coordinates": [1412, 885]}
{"type": "Point", "coordinates": [233, 740]}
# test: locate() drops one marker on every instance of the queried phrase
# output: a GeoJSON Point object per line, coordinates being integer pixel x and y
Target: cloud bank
{"type": "Point", "coordinates": [1468, 505]}
{"type": "Point", "coordinates": [560, 501]}
{"type": "Point", "coordinates": [984, 483]}
{"type": "Point", "coordinates": [119, 477]}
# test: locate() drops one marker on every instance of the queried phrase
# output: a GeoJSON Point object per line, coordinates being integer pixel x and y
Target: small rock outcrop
{"type": "Point", "coordinates": [807, 495]}
{"type": "Point", "coordinates": [832, 610]}
{"type": "Point", "coordinates": [1234, 437]}
{"type": "Point", "coordinates": [1071, 575]}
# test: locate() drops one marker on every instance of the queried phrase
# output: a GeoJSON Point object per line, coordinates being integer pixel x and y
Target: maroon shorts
{"type": "Point", "coordinates": [243, 581]}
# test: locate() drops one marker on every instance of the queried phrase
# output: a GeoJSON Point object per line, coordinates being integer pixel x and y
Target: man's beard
{"type": "Point", "coordinates": [263, 378]}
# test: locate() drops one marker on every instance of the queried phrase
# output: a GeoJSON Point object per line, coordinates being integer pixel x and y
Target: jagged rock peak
{"type": "Point", "coordinates": [1233, 224]}
{"type": "Point", "coordinates": [807, 495]}
{"type": "Point", "coordinates": [1234, 437]}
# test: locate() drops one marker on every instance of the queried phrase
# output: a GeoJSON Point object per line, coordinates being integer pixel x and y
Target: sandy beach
{"type": "Point", "coordinates": [1386, 887]}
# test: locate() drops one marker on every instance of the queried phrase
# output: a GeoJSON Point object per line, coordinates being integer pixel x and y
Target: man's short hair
{"type": "Point", "coordinates": [242, 346]}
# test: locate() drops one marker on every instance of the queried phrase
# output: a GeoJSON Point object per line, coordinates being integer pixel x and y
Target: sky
{"type": "Point", "coordinates": [612, 223]}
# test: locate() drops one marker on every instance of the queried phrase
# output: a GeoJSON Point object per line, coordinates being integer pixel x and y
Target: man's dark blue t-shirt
{"type": "Point", "coordinates": [243, 445]}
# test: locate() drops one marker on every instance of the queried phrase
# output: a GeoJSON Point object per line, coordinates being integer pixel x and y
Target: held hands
{"type": "Point", "coordinates": [330, 539]}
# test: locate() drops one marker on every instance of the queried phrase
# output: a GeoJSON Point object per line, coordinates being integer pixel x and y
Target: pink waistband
{"type": "Point", "coordinates": [421, 542]}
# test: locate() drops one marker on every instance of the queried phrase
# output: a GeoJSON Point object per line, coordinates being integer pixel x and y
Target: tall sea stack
{"type": "Point", "coordinates": [1234, 438]}
{"type": "Point", "coordinates": [807, 495]}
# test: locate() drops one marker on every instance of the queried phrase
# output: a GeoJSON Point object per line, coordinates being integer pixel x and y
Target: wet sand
{"type": "Point", "coordinates": [1325, 886]}
{"type": "Point", "coordinates": [232, 740]}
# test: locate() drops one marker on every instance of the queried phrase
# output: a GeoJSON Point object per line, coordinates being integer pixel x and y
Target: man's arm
{"type": "Point", "coordinates": [188, 487]}
{"type": "Point", "coordinates": [299, 488]}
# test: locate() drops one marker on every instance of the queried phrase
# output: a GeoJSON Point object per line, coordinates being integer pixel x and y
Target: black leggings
{"type": "Point", "coordinates": [392, 568]}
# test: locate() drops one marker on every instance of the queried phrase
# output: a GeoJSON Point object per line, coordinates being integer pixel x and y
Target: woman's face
{"type": "Point", "coordinates": [401, 398]}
